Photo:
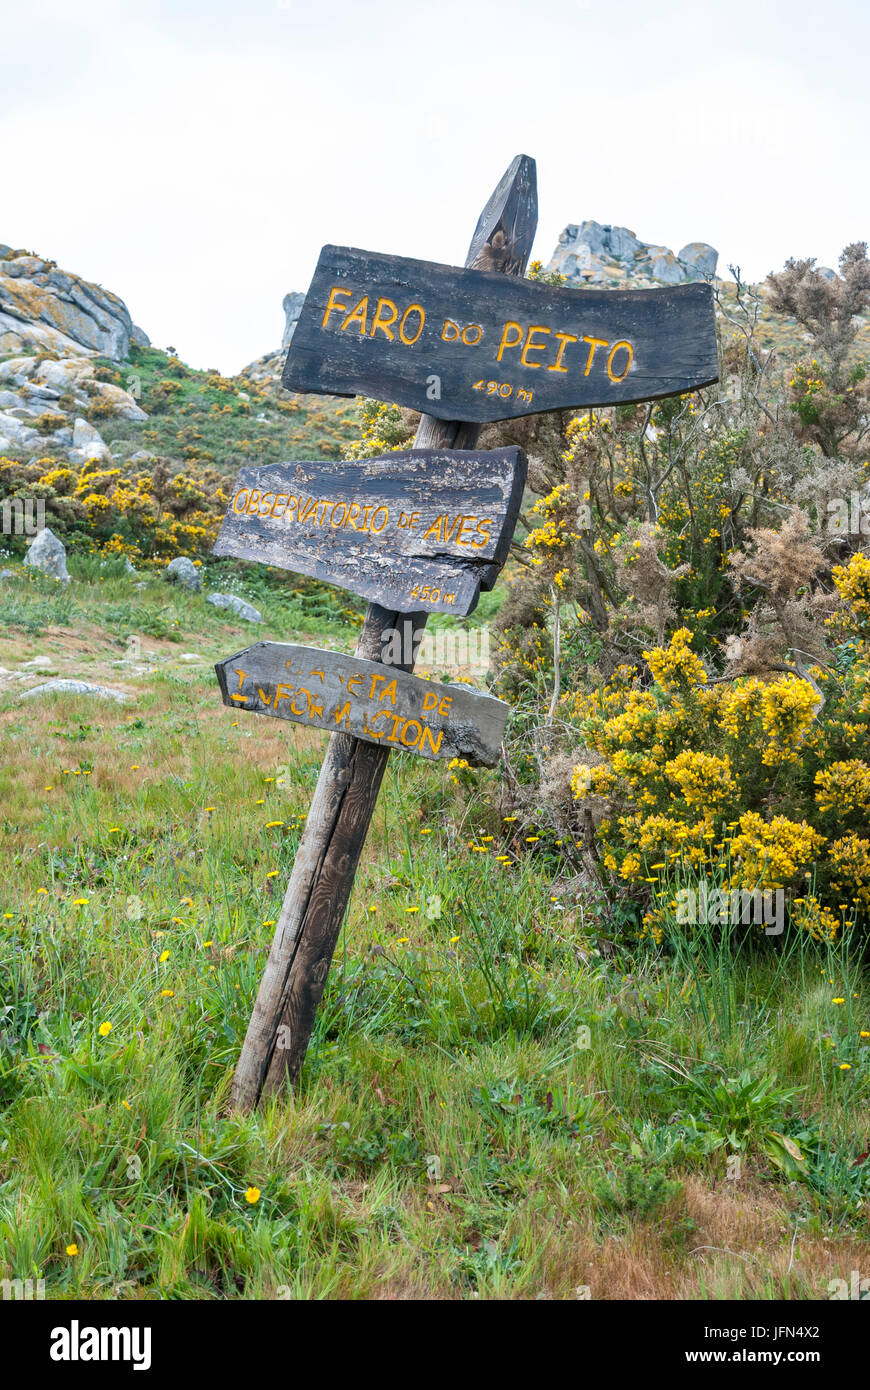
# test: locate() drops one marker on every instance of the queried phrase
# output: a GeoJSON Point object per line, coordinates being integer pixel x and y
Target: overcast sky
{"type": "Point", "coordinates": [193, 157]}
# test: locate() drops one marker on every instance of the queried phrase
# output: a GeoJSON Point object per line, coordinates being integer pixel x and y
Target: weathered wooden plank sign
{"type": "Point", "coordinates": [490, 347]}
{"type": "Point", "coordinates": [347, 788]}
{"type": "Point", "coordinates": [377, 703]}
{"type": "Point", "coordinates": [422, 529]}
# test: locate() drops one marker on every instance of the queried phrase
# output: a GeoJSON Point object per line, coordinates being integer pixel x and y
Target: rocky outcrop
{"type": "Point", "coordinates": [49, 309]}
{"type": "Point", "coordinates": [595, 253]}
{"type": "Point", "coordinates": [292, 309]}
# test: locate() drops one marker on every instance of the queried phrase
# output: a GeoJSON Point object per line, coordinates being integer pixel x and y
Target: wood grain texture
{"type": "Point", "coordinates": [391, 709]}
{"type": "Point", "coordinates": [350, 778]}
{"type": "Point", "coordinates": [492, 346]}
{"type": "Point", "coordinates": [415, 530]}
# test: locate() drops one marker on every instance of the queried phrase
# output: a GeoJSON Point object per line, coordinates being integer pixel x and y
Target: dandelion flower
{"type": "Point", "coordinates": [252, 1195]}
{"type": "Point", "coordinates": [167, 993]}
{"type": "Point", "coordinates": [164, 956]}
{"type": "Point", "coordinates": [72, 1249]}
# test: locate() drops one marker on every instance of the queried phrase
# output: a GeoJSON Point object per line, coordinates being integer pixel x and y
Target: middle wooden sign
{"type": "Point", "coordinates": [420, 530]}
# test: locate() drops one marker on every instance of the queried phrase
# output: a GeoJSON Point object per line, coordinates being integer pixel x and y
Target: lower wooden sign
{"type": "Point", "coordinates": [419, 530]}
{"type": "Point", "coordinates": [377, 703]}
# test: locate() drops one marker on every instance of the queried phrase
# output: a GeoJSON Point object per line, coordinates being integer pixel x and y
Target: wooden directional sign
{"type": "Point", "coordinates": [422, 530]}
{"type": "Point", "coordinates": [379, 704]}
{"type": "Point", "coordinates": [483, 346]}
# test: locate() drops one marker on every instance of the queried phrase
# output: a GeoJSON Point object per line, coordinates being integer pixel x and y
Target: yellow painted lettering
{"type": "Point", "coordinates": [382, 322]}
{"type": "Point", "coordinates": [628, 361]}
{"type": "Point", "coordinates": [483, 531]}
{"type": "Point", "coordinates": [507, 342]}
{"type": "Point", "coordinates": [529, 346]}
{"type": "Point", "coordinates": [564, 340]}
{"type": "Point", "coordinates": [412, 309]}
{"type": "Point", "coordinates": [434, 742]}
{"type": "Point", "coordinates": [358, 314]}
{"type": "Point", "coordinates": [415, 738]}
{"type": "Point", "coordinates": [333, 303]}
{"type": "Point", "coordinates": [593, 344]}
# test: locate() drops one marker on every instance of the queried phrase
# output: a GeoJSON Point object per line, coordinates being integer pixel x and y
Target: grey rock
{"type": "Point", "coordinates": [183, 571]}
{"type": "Point", "coordinates": [5, 574]}
{"type": "Point", "coordinates": [71, 687]}
{"type": "Point", "coordinates": [38, 663]}
{"type": "Point", "coordinates": [44, 307]}
{"type": "Point", "coordinates": [84, 433]}
{"type": "Point", "coordinates": [48, 554]}
{"type": "Point", "coordinates": [595, 253]}
{"type": "Point", "coordinates": [17, 368]}
{"type": "Point", "coordinates": [9, 399]}
{"type": "Point", "coordinates": [292, 309]}
{"type": "Point", "coordinates": [95, 451]}
{"type": "Point", "coordinates": [16, 431]}
{"type": "Point", "coordinates": [699, 259]}
{"type": "Point", "coordinates": [238, 606]}
{"type": "Point", "coordinates": [664, 266]}
{"type": "Point", "coordinates": [623, 244]}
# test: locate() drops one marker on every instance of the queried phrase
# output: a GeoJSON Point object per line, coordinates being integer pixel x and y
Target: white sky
{"type": "Point", "coordinates": [193, 157]}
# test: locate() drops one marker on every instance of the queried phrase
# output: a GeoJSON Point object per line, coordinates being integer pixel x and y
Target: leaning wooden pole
{"type": "Point", "coordinates": [347, 788]}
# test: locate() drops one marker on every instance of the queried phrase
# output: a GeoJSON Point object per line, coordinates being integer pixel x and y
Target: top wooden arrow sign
{"type": "Point", "coordinates": [482, 346]}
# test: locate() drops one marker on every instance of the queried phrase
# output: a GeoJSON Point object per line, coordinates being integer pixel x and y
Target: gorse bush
{"type": "Point", "coordinates": [765, 777]}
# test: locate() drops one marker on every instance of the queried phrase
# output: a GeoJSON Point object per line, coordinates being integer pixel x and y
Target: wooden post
{"type": "Point", "coordinates": [347, 788]}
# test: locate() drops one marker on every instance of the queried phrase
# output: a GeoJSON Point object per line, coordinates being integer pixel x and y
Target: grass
{"type": "Point", "coordinates": [200, 417]}
{"type": "Point", "coordinates": [504, 1098]}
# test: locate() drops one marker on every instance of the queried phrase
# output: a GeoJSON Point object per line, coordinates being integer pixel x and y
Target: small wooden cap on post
{"type": "Point", "coordinates": [344, 798]}
{"type": "Point", "coordinates": [506, 228]}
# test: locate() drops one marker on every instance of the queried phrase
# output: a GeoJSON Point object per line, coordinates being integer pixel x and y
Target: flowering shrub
{"type": "Point", "coordinates": [120, 508]}
{"type": "Point", "coordinates": [761, 782]}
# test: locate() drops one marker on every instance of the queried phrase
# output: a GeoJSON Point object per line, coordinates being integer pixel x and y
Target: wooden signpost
{"type": "Point", "coordinates": [422, 529]}
{"type": "Point", "coordinates": [386, 707]}
{"type": "Point", "coordinates": [432, 528]}
{"type": "Point", "coordinates": [490, 347]}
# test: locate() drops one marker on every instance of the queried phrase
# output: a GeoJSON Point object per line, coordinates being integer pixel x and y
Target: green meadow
{"type": "Point", "coordinates": [506, 1096]}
